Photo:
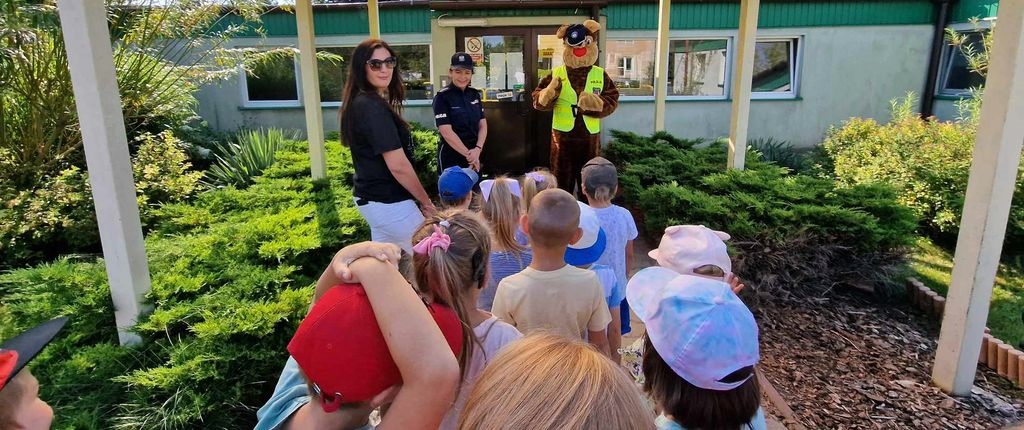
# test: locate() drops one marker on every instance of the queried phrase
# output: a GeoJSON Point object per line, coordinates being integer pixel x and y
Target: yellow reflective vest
{"type": "Point", "coordinates": [563, 119]}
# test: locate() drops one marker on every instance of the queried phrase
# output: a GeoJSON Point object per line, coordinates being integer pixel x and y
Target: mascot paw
{"type": "Point", "coordinates": [549, 94]}
{"type": "Point", "coordinates": [591, 102]}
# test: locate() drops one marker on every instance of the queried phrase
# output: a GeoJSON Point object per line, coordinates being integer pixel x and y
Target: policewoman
{"type": "Point", "coordinates": [459, 117]}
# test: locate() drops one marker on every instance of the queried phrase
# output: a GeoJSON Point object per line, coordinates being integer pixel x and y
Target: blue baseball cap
{"type": "Point", "coordinates": [456, 182]}
{"type": "Point", "coordinates": [591, 245]}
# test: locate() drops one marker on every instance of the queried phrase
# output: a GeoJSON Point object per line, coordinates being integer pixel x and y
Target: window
{"type": "Point", "coordinates": [332, 74]}
{"type": "Point", "coordinates": [273, 81]}
{"type": "Point", "coordinates": [775, 68]}
{"type": "Point", "coordinates": [698, 67]}
{"type": "Point", "coordinates": [626, 68]}
{"type": "Point", "coordinates": [631, 65]}
{"type": "Point", "coordinates": [413, 61]}
{"type": "Point", "coordinates": [956, 77]}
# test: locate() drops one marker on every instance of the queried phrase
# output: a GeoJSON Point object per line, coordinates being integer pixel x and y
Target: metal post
{"type": "Point", "coordinates": [742, 79]}
{"type": "Point", "coordinates": [310, 88]}
{"type": "Point", "coordinates": [98, 101]}
{"type": "Point", "coordinates": [986, 207]}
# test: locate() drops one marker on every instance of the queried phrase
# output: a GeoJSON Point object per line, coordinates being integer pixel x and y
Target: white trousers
{"type": "Point", "coordinates": [392, 222]}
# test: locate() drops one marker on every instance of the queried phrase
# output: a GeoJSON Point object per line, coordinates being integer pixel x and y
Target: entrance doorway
{"type": "Point", "coordinates": [509, 63]}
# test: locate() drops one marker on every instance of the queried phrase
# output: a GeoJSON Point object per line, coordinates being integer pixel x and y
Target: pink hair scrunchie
{"type": "Point", "coordinates": [437, 239]}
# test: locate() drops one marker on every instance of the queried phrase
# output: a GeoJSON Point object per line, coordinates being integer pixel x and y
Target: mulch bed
{"type": "Point", "coordinates": [845, 361]}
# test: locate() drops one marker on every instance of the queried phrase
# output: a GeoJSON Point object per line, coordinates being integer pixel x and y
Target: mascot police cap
{"type": "Point", "coordinates": [576, 34]}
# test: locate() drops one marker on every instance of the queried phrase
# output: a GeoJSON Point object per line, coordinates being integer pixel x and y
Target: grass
{"type": "Point", "coordinates": [933, 264]}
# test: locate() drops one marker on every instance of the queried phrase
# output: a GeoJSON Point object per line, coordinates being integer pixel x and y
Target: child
{"type": "Point", "coordinates": [455, 187]}
{"type": "Point", "coordinates": [538, 180]}
{"type": "Point", "coordinates": [699, 355]}
{"type": "Point", "coordinates": [549, 294]}
{"type": "Point", "coordinates": [342, 365]}
{"type": "Point", "coordinates": [451, 264]}
{"type": "Point", "coordinates": [600, 183]}
{"type": "Point", "coordinates": [508, 256]}
{"type": "Point", "coordinates": [550, 382]}
{"type": "Point", "coordinates": [583, 254]}
{"type": "Point", "coordinates": [20, 405]}
{"type": "Point", "coordinates": [695, 250]}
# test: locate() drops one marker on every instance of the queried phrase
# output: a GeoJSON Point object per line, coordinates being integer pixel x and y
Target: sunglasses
{"type": "Point", "coordinates": [376, 64]}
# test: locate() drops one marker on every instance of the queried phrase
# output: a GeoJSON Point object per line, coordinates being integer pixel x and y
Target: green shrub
{"type": "Point", "coordinates": [926, 162]}
{"type": "Point", "coordinates": [239, 163]}
{"type": "Point", "coordinates": [231, 274]}
{"type": "Point", "coordinates": [789, 230]}
{"type": "Point", "coordinates": [424, 158]}
{"type": "Point", "coordinates": [59, 216]}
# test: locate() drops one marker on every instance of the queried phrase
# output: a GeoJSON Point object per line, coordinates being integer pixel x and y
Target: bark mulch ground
{"type": "Point", "coordinates": [845, 361]}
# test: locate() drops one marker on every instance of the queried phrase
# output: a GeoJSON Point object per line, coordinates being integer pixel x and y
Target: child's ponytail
{"type": "Point", "coordinates": [450, 258]}
{"type": "Point", "coordinates": [534, 182]}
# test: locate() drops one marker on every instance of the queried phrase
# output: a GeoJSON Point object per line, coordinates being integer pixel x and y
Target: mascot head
{"type": "Point", "coordinates": [580, 43]}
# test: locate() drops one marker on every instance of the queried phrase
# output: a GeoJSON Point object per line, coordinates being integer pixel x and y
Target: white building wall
{"type": "Point", "coordinates": [843, 71]}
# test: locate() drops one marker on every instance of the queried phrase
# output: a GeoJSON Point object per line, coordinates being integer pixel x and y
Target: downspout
{"type": "Point", "coordinates": [934, 61]}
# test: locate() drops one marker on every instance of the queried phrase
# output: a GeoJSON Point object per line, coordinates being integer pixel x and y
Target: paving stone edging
{"type": "Point", "coordinates": [996, 354]}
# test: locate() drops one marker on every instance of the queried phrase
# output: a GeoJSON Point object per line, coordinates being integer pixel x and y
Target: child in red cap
{"type": "Point", "coordinates": [20, 405]}
{"type": "Point", "coordinates": [343, 366]}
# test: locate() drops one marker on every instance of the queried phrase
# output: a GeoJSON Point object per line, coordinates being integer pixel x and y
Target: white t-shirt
{"type": "Point", "coordinates": [568, 301]}
{"type": "Point", "coordinates": [493, 336]}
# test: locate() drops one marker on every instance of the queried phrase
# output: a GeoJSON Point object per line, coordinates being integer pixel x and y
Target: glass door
{"type": "Point", "coordinates": [518, 137]}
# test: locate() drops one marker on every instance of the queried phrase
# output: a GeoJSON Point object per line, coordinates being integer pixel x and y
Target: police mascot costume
{"type": "Point", "coordinates": [580, 93]}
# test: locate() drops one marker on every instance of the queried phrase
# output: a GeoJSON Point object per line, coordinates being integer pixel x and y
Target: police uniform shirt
{"type": "Point", "coordinates": [463, 110]}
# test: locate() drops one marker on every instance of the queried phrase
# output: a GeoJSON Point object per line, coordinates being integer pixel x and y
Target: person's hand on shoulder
{"type": "Point", "coordinates": [388, 252]}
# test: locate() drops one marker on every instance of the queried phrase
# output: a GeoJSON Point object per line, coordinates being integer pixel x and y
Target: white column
{"type": "Point", "coordinates": [310, 88]}
{"type": "Point", "coordinates": [98, 101]}
{"type": "Point", "coordinates": [374, 16]}
{"type": "Point", "coordinates": [742, 79]}
{"type": "Point", "coordinates": [661, 64]}
{"type": "Point", "coordinates": [987, 206]}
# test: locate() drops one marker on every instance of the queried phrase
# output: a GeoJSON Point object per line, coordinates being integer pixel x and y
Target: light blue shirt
{"type": "Point", "coordinates": [290, 394]}
{"type": "Point", "coordinates": [620, 228]}
{"type": "Point", "coordinates": [614, 292]}
{"type": "Point", "coordinates": [756, 423]}
{"type": "Point", "coordinates": [502, 264]}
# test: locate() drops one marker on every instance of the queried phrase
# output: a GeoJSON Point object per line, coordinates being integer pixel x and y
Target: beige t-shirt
{"type": "Point", "coordinates": [568, 302]}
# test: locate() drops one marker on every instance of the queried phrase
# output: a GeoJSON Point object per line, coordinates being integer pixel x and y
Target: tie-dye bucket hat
{"type": "Point", "coordinates": [699, 326]}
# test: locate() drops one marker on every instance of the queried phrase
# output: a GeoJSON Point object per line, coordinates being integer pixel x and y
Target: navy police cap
{"type": "Point", "coordinates": [576, 34]}
{"type": "Point", "coordinates": [462, 60]}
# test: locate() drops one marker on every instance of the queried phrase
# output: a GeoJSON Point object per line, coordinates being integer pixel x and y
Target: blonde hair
{"type": "Point", "coordinates": [549, 382]}
{"type": "Point", "coordinates": [502, 210]}
{"type": "Point", "coordinates": [531, 187]}
{"type": "Point", "coordinates": [448, 275]}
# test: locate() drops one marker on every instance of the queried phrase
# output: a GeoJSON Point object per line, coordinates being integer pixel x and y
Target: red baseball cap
{"type": "Point", "coordinates": [342, 352]}
{"type": "Point", "coordinates": [18, 351]}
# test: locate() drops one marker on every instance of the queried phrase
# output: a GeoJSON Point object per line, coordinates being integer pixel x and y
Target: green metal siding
{"type": "Point", "coordinates": [687, 16]}
{"type": "Point", "coordinates": [513, 12]}
{"type": "Point", "coordinates": [964, 10]}
{"type": "Point", "coordinates": [343, 22]}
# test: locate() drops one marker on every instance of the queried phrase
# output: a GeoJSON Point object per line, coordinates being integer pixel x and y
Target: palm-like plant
{"type": "Point", "coordinates": [239, 163]}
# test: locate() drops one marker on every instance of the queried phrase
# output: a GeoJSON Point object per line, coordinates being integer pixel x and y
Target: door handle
{"type": "Point", "coordinates": [520, 102]}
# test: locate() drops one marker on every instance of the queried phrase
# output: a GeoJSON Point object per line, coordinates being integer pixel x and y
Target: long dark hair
{"type": "Point", "coordinates": [698, 408]}
{"type": "Point", "coordinates": [356, 83]}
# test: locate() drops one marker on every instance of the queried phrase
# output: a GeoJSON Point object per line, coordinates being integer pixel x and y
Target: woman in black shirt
{"type": "Point", "coordinates": [386, 186]}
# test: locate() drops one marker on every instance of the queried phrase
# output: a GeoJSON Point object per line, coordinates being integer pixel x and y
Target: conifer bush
{"type": "Point", "coordinates": [790, 231]}
{"type": "Point", "coordinates": [232, 273]}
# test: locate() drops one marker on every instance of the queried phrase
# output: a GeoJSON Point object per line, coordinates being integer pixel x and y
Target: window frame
{"type": "Point", "coordinates": [796, 63]}
{"type": "Point", "coordinates": [416, 102]}
{"type": "Point", "coordinates": [244, 86]}
{"type": "Point", "coordinates": [727, 85]}
{"type": "Point", "coordinates": [631, 40]}
{"type": "Point", "coordinates": [946, 60]}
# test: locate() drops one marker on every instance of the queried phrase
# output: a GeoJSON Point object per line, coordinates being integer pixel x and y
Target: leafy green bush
{"type": "Point", "coordinates": [926, 162]}
{"type": "Point", "coordinates": [424, 158]}
{"type": "Point", "coordinates": [780, 152]}
{"type": "Point", "coordinates": [231, 272]}
{"type": "Point", "coordinates": [789, 230]}
{"type": "Point", "coordinates": [239, 163]}
{"type": "Point", "coordinates": [59, 216]}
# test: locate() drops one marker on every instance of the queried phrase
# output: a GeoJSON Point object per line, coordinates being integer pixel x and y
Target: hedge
{"type": "Point", "coordinates": [790, 231]}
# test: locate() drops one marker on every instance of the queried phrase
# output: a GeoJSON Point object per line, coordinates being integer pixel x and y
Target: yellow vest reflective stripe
{"type": "Point", "coordinates": [563, 119]}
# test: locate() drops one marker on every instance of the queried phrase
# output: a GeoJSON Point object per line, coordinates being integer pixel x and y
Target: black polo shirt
{"type": "Point", "coordinates": [461, 109]}
{"type": "Point", "coordinates": [376, 129]}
